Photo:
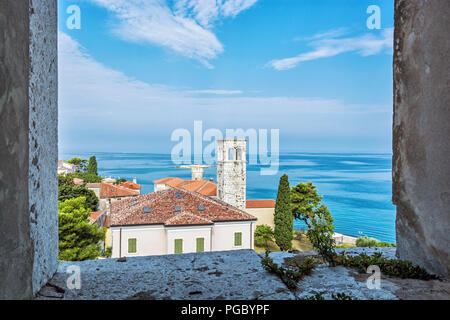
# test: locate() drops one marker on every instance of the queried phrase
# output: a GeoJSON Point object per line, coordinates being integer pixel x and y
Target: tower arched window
{"type": "Point", "coordinates": [231, 154]}
{"type": "Point", "coordinates": [239, 154]}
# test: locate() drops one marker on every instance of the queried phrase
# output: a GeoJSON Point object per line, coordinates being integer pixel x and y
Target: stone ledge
{"type": "Point", "coordinates": [210, 275]}
{"type": "Point", "coordinates": [226, 275]}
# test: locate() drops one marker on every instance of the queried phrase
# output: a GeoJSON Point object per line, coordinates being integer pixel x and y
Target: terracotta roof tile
{"type": "Point", "coordinates": [94, 215]}
{"type": "Point", "coordinates": [130, 185]}
{"type": "Point", "coordinates": [186, 218]}
{"type": "Point", "coordinates": [93, 185]}
{"type": "Point", "coordinates": [78, 181]}
{"type": "Point", "coordinates": [174, 206]}
{"type": "Point", "coordinates": [266, 203]}
{"type": "Point", "coordinates": [205, 187]}
{"type": "Point", "coordinates": [171, 181]}
{"type": "Point", "coordinates": [209, 189]}
{"type": "Point", "coordinates": [112, 191]}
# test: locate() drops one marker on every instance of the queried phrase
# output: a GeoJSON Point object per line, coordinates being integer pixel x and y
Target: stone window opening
{"type": "Point", "coordinates": [28, 140]}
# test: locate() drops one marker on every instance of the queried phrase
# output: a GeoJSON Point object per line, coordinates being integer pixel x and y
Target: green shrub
{"type": "Point", "coordinates": [337, 296]}
{"type": "Point", "coordinates": [263, 235]}
{"type": "Point", "coordinates": [290, 275]}
{"type": "Point", "coordinates": [392, 267]}
{"type": "Point", "coordinates": [108, 252]}
{"type": "Point", "coordinates": [365, 241]}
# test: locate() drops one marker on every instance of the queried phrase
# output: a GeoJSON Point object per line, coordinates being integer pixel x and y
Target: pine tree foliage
{"type": "Point", "coordinates": [78, 239]}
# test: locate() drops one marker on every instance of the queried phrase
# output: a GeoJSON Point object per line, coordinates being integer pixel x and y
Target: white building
{"type": "Point", "coordinates": [177, 221]}
{"type": "Point", "coordinates": [65, 167]}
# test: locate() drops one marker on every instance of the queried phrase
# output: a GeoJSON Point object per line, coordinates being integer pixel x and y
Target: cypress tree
{"type": "Point", "coordinates": [92, 165]}
{"type": "Point", "coordinates": [284, 222]}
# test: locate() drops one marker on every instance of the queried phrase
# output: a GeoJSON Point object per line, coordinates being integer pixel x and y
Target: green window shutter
{"type": "Point", "coordinates": [200, 244]}
{"type": "Point", "coordinates": [131, 245]}
{"type": "Point", "coordinates": [238, 239]}
{"type": "Point", "coordinates": [178, 245]}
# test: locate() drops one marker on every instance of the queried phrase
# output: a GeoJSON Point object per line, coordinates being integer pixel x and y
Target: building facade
{"type": "Point", "coordinates": [178, 221]}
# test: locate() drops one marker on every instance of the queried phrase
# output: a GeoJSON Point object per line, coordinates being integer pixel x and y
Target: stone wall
{"type": "Point", "coordinates": [421, 145]}
{"type": "Point", "coordinates": [28, 146]}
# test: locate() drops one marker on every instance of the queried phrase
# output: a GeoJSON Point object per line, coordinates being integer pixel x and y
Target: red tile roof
{"type": "Point", "coordinates": [111, 191]}
{"type": "Point", "coordinates": [172, 182]}
{"type": "Point", "coordinates": [78, 181]}
{"type": "Point", "coordinates": [205, 187]}
{"type": "Point", "coordinates": [174, 206]}
{"type": "Point", "coordinates": [100, 217]}
{"type": "Point", "coordinates": [94, 215]}
{"type": "Point", "coordinates": [266, 203]}
{"type": "Point", "coordinates": [130, 185]}
{"type": "Point", "coordinates": [93, 185]}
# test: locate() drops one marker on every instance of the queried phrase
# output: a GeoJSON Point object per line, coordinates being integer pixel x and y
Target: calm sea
{"type": "Point", "coordinates": [356, 187]}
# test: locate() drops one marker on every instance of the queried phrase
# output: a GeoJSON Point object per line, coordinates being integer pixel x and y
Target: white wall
{"type": "Point", "coordinates": [160, 187]}
{"type": "Point", "coordinates": [223, 235]}
{"type": "Point", "coordinates": [160, 240]}
{"type": "Point", "coordinates": [150, 240]}
{"type": "Point", "coordinates": [189, 235]}
{"type": "Point", "coordinates": [264, 215]}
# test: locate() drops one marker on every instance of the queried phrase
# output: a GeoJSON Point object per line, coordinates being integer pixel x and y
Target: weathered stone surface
{"type": "Point", "coordinates": [421, 143]}
{"type": "Point", "coordinates": [232, 174]}
{"type": "Point", "coordinates": [43, 139]}
{"type": "Point", "coordinates": [225, 275]}
{"type": "Point", "coordinates": [28, 146]}
{"type": "Point", "coordinates": [354, 284]}
{"type": "Point", "coordinates": [210, 275]}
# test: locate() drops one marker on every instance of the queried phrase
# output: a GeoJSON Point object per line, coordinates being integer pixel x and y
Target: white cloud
{"type": "Point", "coordinates": [324, 35]}
{"type": "Point", "coordinates": [365, 45]}
{"type": "Point", "coordinates": [185, 27]}
{"type": "Point", "coordinates": [103, 109]}
{"type": "Point", "coordinates": [217, 92]}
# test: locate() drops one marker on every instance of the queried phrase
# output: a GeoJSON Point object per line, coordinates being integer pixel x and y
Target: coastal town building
{"type": "Point", "coordinates": [204, 187]}
{"type": "Point", "coordinates": [231, 172]}
{"type": "Point", "coordinates": [109, 193]}
{"type": "Point", "coordinates": [64, 167]}
{"type": "Point", "coordinates": [176, 220]}
{"type": "Point", "coordinates": [101, 219]}
{"type": "Point", "coordinates": [263, 209]}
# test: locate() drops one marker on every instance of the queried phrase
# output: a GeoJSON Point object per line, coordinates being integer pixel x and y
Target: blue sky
{"type": "Point", "coordinates": [137, 70]}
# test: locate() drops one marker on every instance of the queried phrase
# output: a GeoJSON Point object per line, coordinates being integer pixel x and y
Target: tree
{"type": "Point", "coordinates": [65, 179]}
{"type": "Point", "coordinates": [284, 224]}
{"type": "Point", "coordinates": [80, 164]}
{"type": "Point", "coordinates": [67, 191]}
{"type": "Point", "coordinates": [304, 200]}
{"type": "Point", "coordinates": [78, 239]}
{"type": "Point", "coordinates": [92, 166]}
{"type": "Point", "coordinates": [263, 234]}
{"type": "Point", "coordinates": [119, 181]}
{"type": "Point", "coordinates": [306, 205]}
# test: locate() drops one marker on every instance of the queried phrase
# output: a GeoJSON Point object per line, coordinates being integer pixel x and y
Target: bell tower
{"type": "Point", "coordinates": [231, 171]}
